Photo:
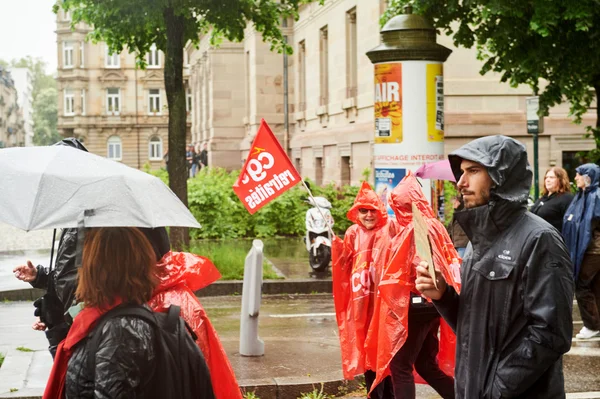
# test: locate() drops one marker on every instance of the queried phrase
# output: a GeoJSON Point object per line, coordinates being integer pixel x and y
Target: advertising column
{"type": "Point", "coordinates": [408, 104]}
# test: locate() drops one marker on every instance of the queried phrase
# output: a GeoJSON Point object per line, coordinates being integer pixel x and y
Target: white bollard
{"type": "Point", "coordinates": [250, 344]}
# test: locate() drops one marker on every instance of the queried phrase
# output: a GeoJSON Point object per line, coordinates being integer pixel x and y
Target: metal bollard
{"type": "Point", "coordinates": [250, 344]}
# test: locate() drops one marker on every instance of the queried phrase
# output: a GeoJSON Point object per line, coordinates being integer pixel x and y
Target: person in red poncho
{"type": "Point", "coordinates": [357, 262]}
{"type": "Point", "coordinates": [420, 347]}
{"type": "Point", "coordinates": [180, 275]}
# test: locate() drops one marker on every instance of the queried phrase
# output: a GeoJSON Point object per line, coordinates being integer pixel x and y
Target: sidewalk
{"type": "Point", "coordinates": [301, 350]}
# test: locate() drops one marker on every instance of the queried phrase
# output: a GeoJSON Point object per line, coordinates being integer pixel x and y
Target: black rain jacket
{"type": "Point", "coordinates": [125, 362]}
{"type": "Point", "coordinates": [513, 319]}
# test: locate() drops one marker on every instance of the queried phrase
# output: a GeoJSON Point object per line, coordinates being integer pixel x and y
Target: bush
{"type": "Point", "coordinates": [450, 192]}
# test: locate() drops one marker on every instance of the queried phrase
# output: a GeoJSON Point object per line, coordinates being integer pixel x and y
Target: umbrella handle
{"type": "Point", "coordinates": [52, 250]}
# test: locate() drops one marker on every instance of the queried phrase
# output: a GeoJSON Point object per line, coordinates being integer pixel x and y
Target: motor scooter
{"type": "Point", "coordinates": [318, 235]}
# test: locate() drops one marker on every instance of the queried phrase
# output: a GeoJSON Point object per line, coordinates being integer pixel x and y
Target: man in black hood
{"type": "Point", "coordinates": [60, 282]}
{"type": "Point", "coordinates": [513, 318]}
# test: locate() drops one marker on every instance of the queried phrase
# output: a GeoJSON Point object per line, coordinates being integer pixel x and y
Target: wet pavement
{"type": "Point", "coordinates": [301, 349]}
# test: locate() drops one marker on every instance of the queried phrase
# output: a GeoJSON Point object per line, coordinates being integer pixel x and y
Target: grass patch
{"type": "Point", "coordinates": [229, 257]}
{"type": "Point", "coordinates": [315, 394]}
{"type": "Point", "coordinates": [2, 357]}
{"type": "Point", "coordinates": [24, 349]}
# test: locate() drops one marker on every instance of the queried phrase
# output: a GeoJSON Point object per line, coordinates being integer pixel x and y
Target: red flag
{"type": "Point", "coordinates": [267, 173]}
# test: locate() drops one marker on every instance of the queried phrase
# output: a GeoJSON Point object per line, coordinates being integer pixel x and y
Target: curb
{"type": "Point", "coordinates": [218, 288]}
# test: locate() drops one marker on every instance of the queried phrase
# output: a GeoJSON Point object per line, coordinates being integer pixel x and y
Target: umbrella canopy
{"type": "Point", "coordinates": [440, 170]}
{"type": "Point", "coordinates": [52, 187]}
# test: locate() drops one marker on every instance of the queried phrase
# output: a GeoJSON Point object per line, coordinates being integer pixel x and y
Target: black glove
{"type": "Point", "coordinates": [49, 309]}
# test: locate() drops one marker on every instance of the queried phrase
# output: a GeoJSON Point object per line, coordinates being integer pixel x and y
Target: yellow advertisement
{"type": "Point", "coordinates": [388, 103]}
{"type": "Point", "coordinates": [435, 102]}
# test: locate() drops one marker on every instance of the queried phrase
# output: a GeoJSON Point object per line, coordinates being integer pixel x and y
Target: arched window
{"type": "Point", "coordinates": [113, 150]}
{"type": "Point", "coordinates": [155, 150]}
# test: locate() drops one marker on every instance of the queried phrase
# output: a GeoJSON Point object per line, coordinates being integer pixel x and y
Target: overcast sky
{"type": "Point", "coordinates": [27, 28]}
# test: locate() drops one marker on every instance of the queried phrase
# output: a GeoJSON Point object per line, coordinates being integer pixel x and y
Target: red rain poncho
{"type": "Point", "coordinates": [400, 271]}
{"type": "Point", "coordinates": [358, 262]}
{"type": "Point", "coordinates": [182, 274]}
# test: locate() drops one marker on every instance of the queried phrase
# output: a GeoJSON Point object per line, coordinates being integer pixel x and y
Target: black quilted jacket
{"type": "Point", "coordinates": [124, 362]}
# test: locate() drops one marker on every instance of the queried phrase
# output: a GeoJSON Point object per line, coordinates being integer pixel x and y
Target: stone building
{"type": "Point", "coordinates": [12, 131]}
{"type": "Point", "coordinates": [24, 87]}
{"type": "Point", "coordinates": [117, 109]}
{"type": "Point", "coordinates": [331, 97]}
{"type": "Point", "coordinates": [120, 111]}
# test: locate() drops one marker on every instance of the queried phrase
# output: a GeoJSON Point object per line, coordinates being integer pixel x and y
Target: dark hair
{"type": "Point", "coordinates": [563, 180]}
{"type": "Point", "coordinates": [118, 263]}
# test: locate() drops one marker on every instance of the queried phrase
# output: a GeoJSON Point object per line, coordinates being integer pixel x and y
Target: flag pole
{"type": "Point", "coordinates": [318, 208]}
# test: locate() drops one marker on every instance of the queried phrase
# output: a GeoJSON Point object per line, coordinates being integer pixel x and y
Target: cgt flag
{"type": "Point", "coordinates": [267, 173]}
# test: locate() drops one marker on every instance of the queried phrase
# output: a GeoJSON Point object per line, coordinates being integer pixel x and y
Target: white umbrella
{"type": "Point", "coordinates": [52, 187]}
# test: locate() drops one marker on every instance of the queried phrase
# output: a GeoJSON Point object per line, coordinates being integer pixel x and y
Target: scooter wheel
{"type": "Point", "coordinates": [320, 262]}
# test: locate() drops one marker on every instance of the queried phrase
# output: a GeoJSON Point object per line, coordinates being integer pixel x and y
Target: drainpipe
{"type": "Point", "coordinates": [286, 117]}
{"type": "Point", "coordinates": [137, 128]}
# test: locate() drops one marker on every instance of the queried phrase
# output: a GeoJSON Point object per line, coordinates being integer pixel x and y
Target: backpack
{"type": "Point", "coordinates": [181, 371]}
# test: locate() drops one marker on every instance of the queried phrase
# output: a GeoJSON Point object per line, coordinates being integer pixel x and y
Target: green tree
{"type": "Point", "coordinates": [550, 45]}
{"type": "Point", "coordinates": [170, 24]}
{"type": "Point", "coordinates": [45, 117]}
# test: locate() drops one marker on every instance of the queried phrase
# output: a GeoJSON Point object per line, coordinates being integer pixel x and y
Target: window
{"type": "Point", "coordinates": [69, 103]}
{"type": "Point", "coordinates": [346, 171]}
{"type": "Point", "coordinates": [112, 60]}
{"type": "Point", "coordinates": [302, 76]}
{"type": "Point", "coordinates": [188, 103]}
{"type": "Point", "coordinates": [113, 101]}
{"type": "Point", "coordinates": [81, 54]}
{"type": "Point", "coordinates": [82, 101]}
{"type": "Point", "coordinates": [67, 55]}
{"type": "Point", "coordinates": [155, 152]}
{"type": "Point", "coordinates": [153, 57]}
{"type": "Point", "coordinates": [570, 161]}
{"type": "Point", "coordinates": [351, 54]}
{"type": "Point", "coordinates": [319, 171]}
{"type": "Point", "coordinates": [66, 15]}
{"type": "Point", "coordinates": [154, 101]}
{"type": "Point", "coordinates": [324, 66]}
{"type": "Point", "coordinates": [113, 150]}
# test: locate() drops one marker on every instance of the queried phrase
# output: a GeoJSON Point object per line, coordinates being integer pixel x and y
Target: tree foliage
{"type": "Point", "coordinates": [45, 117]}
{"type": "Point", "coordinates": [136, 25]}
{"type": "Point", "coordinates": [550, 45]}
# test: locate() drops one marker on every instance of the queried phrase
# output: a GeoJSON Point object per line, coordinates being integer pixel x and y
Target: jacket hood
{"type": "Point", "coordinates": [159, 239]}
{"type": "Point", "coordinates": [406, 193]}
{"type": "Point", "coordinates": [506, 162]}
{"type": "Point", "coordinates": [367, 198]}
{"type": "Point", "coordinates": [593, 171]}
{"type": "Point", "coordinates": [72, 142]}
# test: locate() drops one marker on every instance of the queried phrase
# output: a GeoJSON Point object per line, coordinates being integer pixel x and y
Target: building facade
{"type": "Point", "coordinates": [118, 110]}
{"type": "Point", "coordinates": [12, 130]}
{"type": "Point", "coordinates": [330, 91]}
{"type": "Point", "coordinates": [24, 87]}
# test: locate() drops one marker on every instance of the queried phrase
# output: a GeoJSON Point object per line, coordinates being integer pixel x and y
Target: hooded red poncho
{"type": "Point", "coordinates": [400, 271]}
{"type": "Point", "coordinates": [358, 262]}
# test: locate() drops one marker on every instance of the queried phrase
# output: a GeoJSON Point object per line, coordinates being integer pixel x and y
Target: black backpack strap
{"type": "Point", "coordinates": [173, 315]}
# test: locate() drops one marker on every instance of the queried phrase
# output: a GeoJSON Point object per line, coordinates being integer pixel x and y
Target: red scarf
{"type": "Point", "coordinates": [83, 324]}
